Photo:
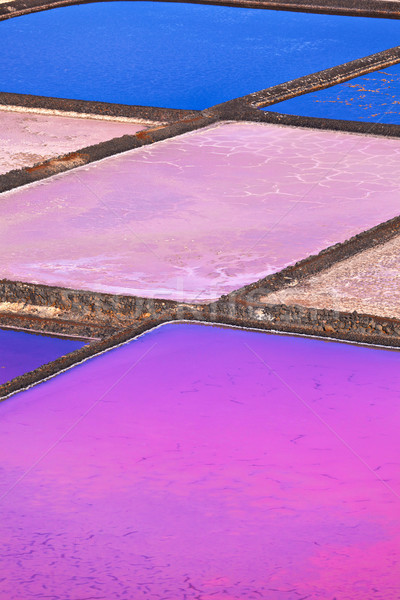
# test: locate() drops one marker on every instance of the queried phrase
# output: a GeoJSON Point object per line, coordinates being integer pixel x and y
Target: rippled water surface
{"type": "Point", "coordinates": [175, 55]}
{"type": "Point", "coordinates": [374, 97]}
{"type": "Point", "coordinates": [205, 463]}
{"type": "Point", "coordinates": [22, 352]}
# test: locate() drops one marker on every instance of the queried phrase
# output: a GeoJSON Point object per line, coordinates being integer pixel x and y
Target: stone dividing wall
{"type": "Point", "coordinates": [314, 81]}
{"type": "Point", "coordinates": [92, 108]}
{"type": "Point", "coordinates": [97, 315]}
{"type": "Point", "coordinates": [366, 329]}
{"type": "Point", "coordinates": [279, 319]}
{"type": "Point", "coordinates": [72, 312]}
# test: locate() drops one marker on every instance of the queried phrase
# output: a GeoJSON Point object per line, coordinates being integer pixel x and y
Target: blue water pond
{"type": "Point", "coordinates": [21, 352]}
{"type": "Point", "coordinates": [374, 98]}
{"type": "Point", "coordinates": [175, 55]}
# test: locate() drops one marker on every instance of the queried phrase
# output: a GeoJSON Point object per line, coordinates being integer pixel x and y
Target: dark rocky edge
{"type": "Point", "coordinates": [76, 312]}
{"type": "Point", "coordinates": [335, 325]}
{"type": "Point", "coordinates": [363, 329]}
{"type": "Point", "coordinates": [99, 109]}
{"type": "Point", "coordinates": [55, 327]}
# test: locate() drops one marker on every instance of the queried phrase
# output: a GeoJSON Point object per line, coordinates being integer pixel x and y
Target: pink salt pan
{"type": "Point", "coordinates": [197, 216]}
{"type": "Point", "coordinates": [368, 283]}
{"type": "Point", "coordinates": [200, 463]}
{"type": "Point", "coordinates": [28, 138]}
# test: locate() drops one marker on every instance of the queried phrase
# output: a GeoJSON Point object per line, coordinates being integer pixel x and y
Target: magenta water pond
{"type": "Point", "coordinates": [21, 352]}
{"type": "Point", "coordinates": [205, 463]}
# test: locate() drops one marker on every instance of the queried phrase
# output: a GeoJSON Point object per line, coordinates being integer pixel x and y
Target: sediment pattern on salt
{"type": "Point", "coordinates": [368, 283]}
{"type": "Point", "coordinates": [199, 215]}
{"type": "Point", "coordinates": [28, 138]}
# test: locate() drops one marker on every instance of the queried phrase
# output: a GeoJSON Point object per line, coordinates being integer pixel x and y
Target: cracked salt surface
{"type": "Point", "coordinates": [199, 215]}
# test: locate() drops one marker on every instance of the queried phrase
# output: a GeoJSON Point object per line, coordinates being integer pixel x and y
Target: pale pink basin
{"type": "Point", "coordinates": [28, 138]}
{"type": "Point", "coordinates": [197, 216]}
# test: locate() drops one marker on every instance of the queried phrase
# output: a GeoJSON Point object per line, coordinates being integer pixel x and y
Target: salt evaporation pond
{"type": "Point", "coordinates": [373, 98]}
{"type": "Point", "coordinates": [28, 138]}
{"type": "Point", "coordinates": [175, 55]}
{"type": "Point", "coordinates": [202, 462]}
{"type": "Point", "coordinates": [200, 215]}
{"type": "Point", "coordinates": [21, 352]}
